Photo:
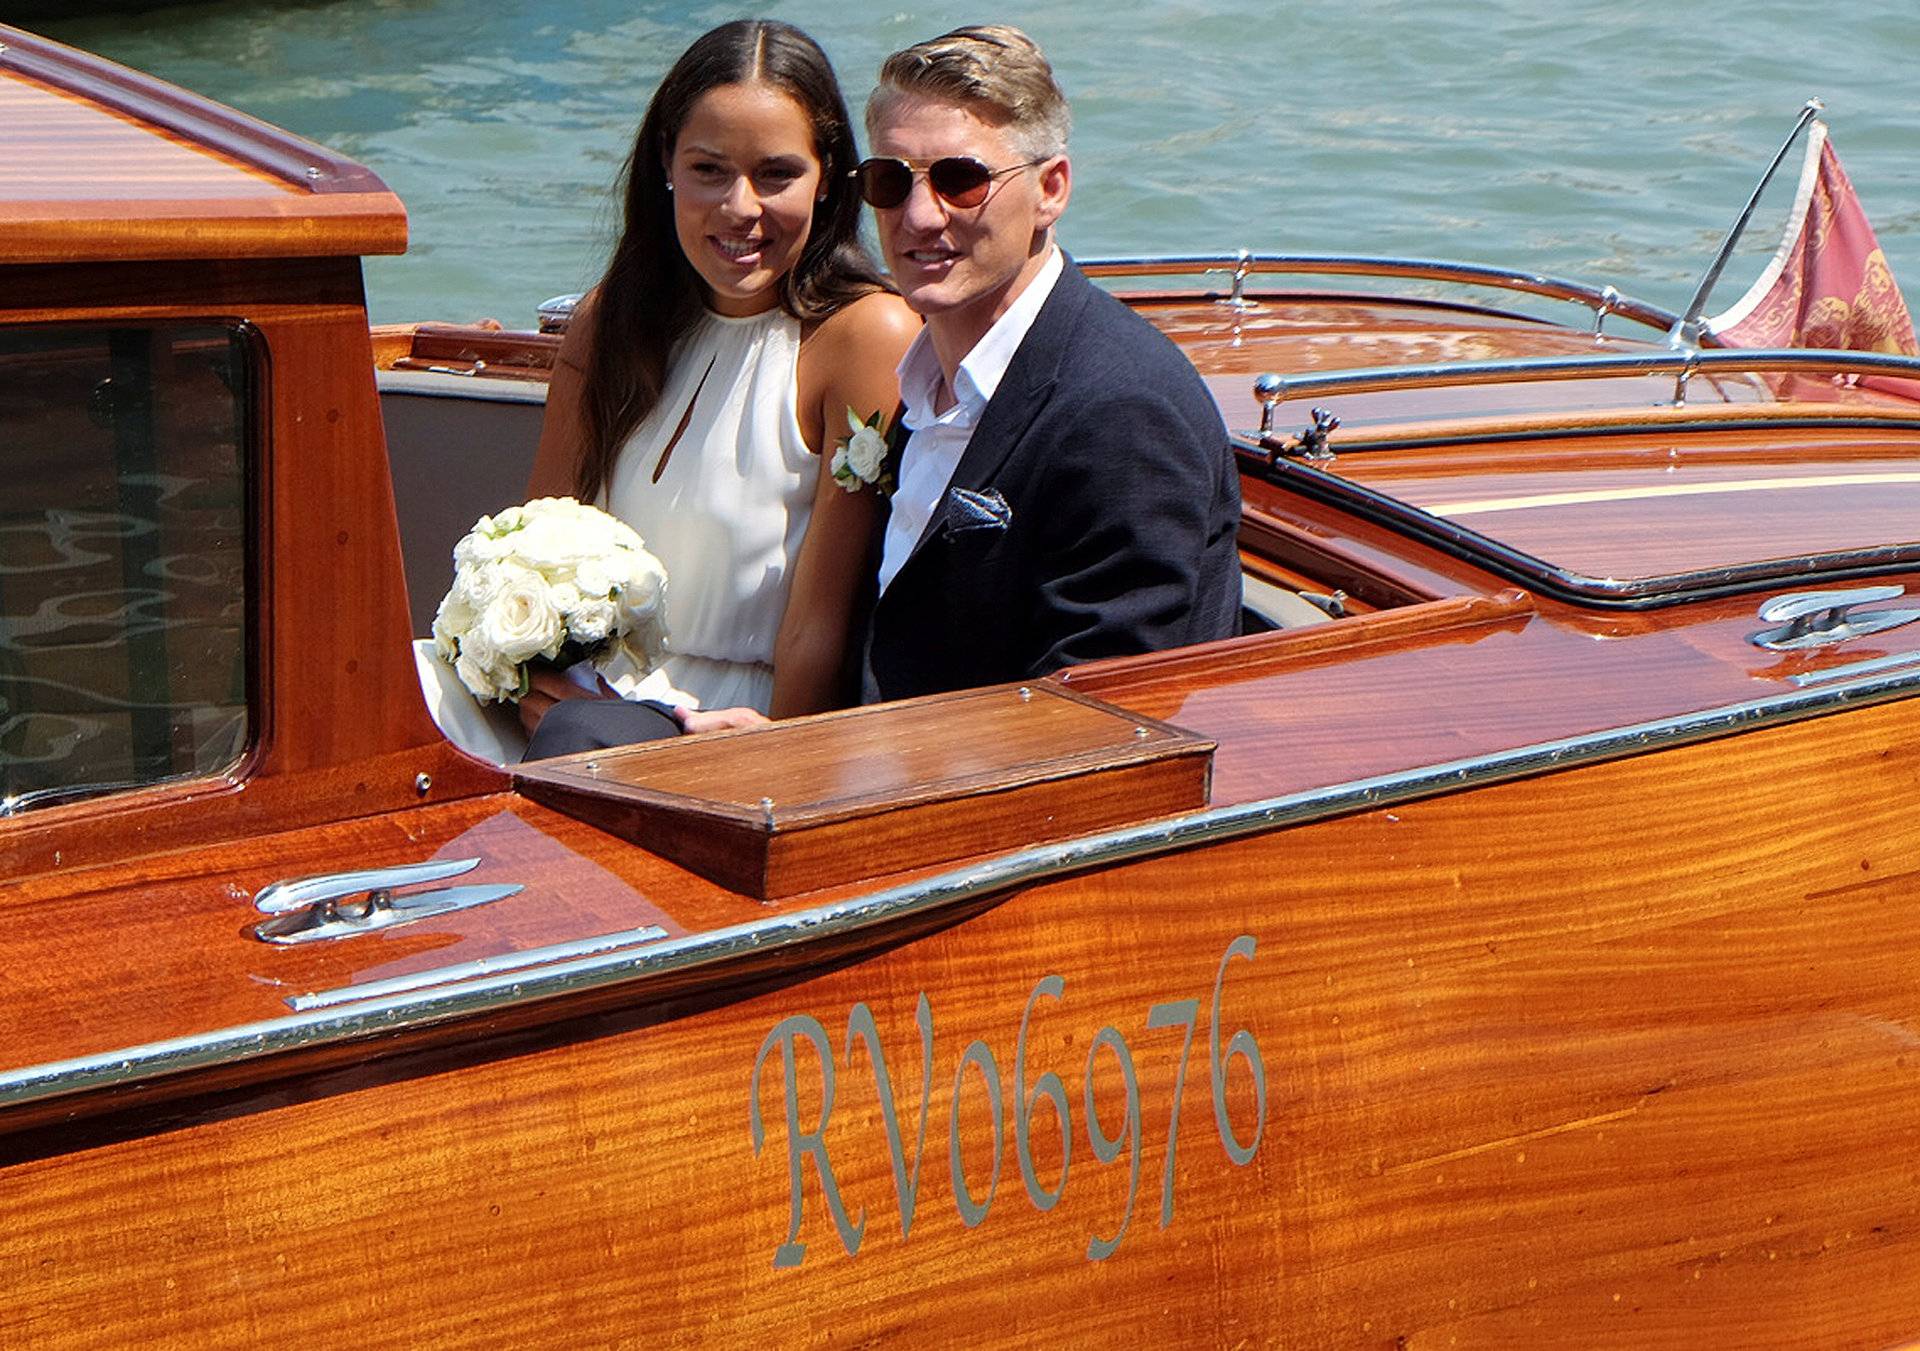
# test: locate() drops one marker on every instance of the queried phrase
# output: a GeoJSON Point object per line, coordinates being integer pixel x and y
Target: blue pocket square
{"type": "Point", "coordinates": [965, 509]}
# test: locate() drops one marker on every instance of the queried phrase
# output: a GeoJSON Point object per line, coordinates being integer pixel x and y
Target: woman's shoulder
{"type": "Point", "coordinates": [872, 325]}
{"type": "Point", "coordinates": [849, 360]}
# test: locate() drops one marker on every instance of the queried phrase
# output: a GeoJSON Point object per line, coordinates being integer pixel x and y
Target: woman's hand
{"type": "Point", "coordinates": [696, 720]}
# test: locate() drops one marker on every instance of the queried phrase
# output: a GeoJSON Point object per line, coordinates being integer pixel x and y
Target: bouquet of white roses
{"type": "Point", "coordinates": [554, 581]}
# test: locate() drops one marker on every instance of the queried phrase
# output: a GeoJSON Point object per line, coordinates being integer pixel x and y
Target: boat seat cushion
{"type": "Point", "coordinates": [1280, 607]}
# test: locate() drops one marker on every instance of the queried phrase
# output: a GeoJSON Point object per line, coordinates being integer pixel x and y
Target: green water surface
{"type": "Point", "coordinates": [1610, 140]}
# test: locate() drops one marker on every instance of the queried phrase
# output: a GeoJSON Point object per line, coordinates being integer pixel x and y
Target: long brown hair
{"type": "Point", "coordinates": [650, 294]}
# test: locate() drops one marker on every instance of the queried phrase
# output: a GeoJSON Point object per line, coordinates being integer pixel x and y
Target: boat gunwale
{"type": "Point", "coordinates": [358, 1020]}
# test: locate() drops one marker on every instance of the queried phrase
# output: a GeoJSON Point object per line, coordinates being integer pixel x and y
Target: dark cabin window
{"type": "Point", "coordinates": [122, 557]}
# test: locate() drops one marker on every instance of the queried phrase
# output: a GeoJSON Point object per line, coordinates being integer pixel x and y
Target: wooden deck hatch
{"type": "Point", "coordinates": [775, 811]}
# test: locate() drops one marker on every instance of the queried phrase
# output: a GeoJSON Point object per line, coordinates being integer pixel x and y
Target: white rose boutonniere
{"type": "Point", "coordinates": [551, 581]}
{"type": "Point", "coordinates": [860, 460]}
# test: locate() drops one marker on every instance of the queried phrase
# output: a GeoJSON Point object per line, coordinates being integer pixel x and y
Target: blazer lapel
{"type": "Point", "coordinates": [1022, 393]}
{"type": "Point", "coordinates": [1028, 382]}
{"type": "Point", "coordinates": [897, 435]}
{"type": "Point", "coordinates": [867, 599]}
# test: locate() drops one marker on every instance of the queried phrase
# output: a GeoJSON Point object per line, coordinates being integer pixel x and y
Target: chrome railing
{"type": "Point", "coordinates": [1601, 300]}
{"type": "Point", "coordinates": [1272, 389]}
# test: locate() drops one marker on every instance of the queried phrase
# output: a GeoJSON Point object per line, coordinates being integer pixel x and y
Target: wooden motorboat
{"type": "Point", "coordinates": [1508, 947]}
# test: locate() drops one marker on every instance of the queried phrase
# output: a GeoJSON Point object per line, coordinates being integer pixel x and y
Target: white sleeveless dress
{"type": "Point", "coordinates": [723, 501]}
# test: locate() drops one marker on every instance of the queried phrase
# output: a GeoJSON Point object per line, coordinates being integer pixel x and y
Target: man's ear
{"type": "Point", "coordinates": [1056, 186]}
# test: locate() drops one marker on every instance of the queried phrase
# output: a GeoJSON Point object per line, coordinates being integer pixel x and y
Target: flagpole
{"type": "Point", "coordinates": [1685, 335]}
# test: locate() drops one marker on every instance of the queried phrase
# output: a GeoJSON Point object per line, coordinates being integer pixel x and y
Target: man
{"type": "Point", "coordinates": [1067, 490]}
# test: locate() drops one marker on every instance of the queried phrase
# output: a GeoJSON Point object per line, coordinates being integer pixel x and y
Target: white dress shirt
{"type": "Point", "coordinates": [934, 449]}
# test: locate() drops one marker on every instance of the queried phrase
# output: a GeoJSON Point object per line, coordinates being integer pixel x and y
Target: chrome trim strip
{"type": "Point", "coordinates": [1601, 299]}
{"type": "Point", "coordinates": [419, 1009]}
{"type": "Point", "coordinates": [1855, 668]}
{"type": "Point", "coordinates": [480, 966]}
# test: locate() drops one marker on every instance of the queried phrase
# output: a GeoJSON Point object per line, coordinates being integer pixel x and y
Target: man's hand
{"type": "Point", "coordinates": [697, 720]}
{"type": "Point", "coordinates": [547, 688]}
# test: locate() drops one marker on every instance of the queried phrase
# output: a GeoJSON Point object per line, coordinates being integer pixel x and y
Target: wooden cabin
{"type": "Point", "coordinates": [1515, 954]}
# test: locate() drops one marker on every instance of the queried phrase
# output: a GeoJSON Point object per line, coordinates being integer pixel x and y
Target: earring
{"type": "Point", "coordinates": [669, 185]}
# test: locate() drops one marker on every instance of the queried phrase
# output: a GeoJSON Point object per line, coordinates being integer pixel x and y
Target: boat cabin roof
{"type": "Point", "coordinates": [98, 163]}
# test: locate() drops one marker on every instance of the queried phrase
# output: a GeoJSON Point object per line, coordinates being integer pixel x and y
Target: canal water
{"type": "Point", "coordinates": [1607, 140]}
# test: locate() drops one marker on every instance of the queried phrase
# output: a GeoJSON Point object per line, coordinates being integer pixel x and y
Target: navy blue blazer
{"type": "Point", "coordinates": [1093, 514]}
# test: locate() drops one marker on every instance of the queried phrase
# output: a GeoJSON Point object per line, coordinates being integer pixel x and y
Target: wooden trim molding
{"type": "Point", "coordinates": [232, 228]}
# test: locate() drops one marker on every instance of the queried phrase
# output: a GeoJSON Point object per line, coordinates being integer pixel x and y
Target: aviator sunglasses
{"type": "Point", "coordinates": [958, 180]}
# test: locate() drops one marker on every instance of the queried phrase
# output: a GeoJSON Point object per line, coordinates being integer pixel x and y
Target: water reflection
{"type": "Point", "coordinates": [122, 557]}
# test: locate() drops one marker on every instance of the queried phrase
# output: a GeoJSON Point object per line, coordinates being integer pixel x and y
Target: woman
{"type": "Point", "coordinates": [704, 383]}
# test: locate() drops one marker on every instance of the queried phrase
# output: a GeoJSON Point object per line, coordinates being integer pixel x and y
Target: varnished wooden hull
{"type": "Point", "coordinates": [1533, 975]}
{"type": "Point", "coordinates": [1517, 954]}
{"type": "Point", "coordinates": [1596, 1057]}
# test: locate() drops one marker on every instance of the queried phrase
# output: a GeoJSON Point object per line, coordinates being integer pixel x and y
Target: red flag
{"type": "Point", "coordinates": [1828, 284]}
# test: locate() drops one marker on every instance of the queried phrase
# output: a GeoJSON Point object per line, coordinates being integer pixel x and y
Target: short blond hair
{"type": "Point", "coordinates": [992, 65]}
